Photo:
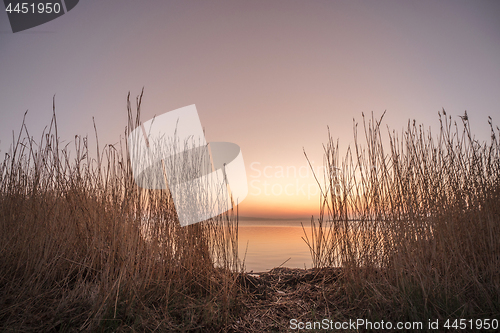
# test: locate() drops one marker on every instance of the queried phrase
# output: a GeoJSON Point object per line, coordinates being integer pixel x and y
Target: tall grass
{"type": "Point", "coordinates": [414, 220]}
{"type": "Point", "coordinates": [82, 248]}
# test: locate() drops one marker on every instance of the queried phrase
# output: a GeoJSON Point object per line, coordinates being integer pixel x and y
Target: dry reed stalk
{"type": "Point", "coordinates": [82, 248]}
{"type": "Point", "coordinates": [418, 217]}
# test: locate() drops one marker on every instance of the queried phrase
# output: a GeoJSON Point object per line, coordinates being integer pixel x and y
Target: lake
{"type": "Point", "coordinates": [265, 244]}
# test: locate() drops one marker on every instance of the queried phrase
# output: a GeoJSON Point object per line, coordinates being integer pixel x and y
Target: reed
{"type": "Point", "coordinates": [82, 248]}
{"type": "Point", "coordinates": [414, 221]}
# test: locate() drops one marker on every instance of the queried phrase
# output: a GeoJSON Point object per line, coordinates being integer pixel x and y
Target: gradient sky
{"type": "Point", "coordinates": [267, 75]}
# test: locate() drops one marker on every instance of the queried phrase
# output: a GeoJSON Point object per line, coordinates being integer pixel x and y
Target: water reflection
{"type": "Point", "coordinates": [269, 244]}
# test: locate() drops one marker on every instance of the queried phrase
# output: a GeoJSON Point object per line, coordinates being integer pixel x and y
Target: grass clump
{"type": "Point", "coordinates": [82, 248]}
{"type": "Point", "coordinates": [414, 223]}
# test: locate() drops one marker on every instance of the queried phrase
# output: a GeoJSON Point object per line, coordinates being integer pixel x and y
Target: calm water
{"type": "Point", "coordinates": [270, 243]}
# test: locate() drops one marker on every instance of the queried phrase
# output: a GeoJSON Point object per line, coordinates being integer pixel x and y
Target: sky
{"type": "Point", "coordinates": [268, 75]}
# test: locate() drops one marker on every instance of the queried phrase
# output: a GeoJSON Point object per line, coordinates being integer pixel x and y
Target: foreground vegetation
{"type": "Point", "coordinates": [82, 248]}
{"type": "Point", "coordinates": [414, 222]}
{"type": "Point", "coordinates": [408, 231]}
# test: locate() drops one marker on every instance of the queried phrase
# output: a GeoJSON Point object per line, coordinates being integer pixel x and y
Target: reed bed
{"type": "Point", "coordinates": [413, 220]}
{"type": "Point", "coordinates": [82, 248]}
{"type": "Point", "coordinates": [408, 229]}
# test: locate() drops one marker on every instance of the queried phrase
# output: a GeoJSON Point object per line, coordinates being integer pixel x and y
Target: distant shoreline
{"type": "Point", "coordinates": [247, 221]}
